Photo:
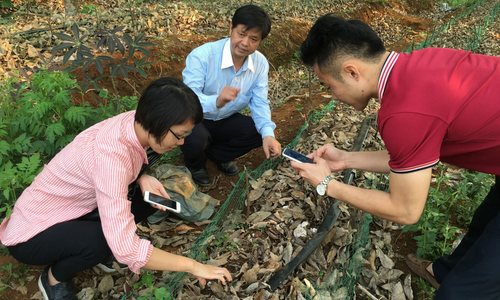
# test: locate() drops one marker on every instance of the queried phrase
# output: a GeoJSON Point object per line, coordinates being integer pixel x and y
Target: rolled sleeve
{"type": "Point", "coordinates": [143, 256]}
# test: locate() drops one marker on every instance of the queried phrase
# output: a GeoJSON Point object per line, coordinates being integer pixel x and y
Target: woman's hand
{"type": "Point", "coordinates": [203, 272]}
{"type": "Point", "coordinates": [153, 185]}
{"type": "Point", "coordinates": [162, 260]}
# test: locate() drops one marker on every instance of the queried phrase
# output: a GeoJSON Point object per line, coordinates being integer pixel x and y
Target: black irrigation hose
{"type": "Point", "coordinates": [328, 221]}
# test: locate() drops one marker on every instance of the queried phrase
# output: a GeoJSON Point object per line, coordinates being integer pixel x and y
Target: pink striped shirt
{"type": "Point", "coordinates": [94, 170]}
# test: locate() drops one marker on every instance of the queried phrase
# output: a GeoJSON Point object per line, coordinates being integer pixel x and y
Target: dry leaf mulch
{"type": "Point", "coordinates": [283, 212]}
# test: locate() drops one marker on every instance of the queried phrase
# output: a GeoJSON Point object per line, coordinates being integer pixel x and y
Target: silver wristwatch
{"type": "Point", "coordinates": [322, 186]}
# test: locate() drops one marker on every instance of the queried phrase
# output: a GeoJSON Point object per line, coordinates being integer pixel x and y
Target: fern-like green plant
{"type": "Point", "coordinates": [448, 211]}
{"type": "Point", "coordinates": [45, 118]}
{"type": "Point", "coordinates": [37, 119]}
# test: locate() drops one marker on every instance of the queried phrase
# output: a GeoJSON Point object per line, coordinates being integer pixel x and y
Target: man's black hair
{"type": "Point", "coordinates": [167, 102]}
{"type": "Point", "coordinates": [252, 16]}
{"type": "Point", "coordinates": [333, 37]}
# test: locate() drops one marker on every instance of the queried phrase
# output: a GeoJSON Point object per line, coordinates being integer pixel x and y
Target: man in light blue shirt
{"type": "Point", "coordinates": [229, 75]}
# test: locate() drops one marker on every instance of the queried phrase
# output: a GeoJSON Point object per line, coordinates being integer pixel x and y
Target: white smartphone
{"type": "Point", "coordinates": [162, 201]}
{"type": "Point", "coordinates": [296, 156]}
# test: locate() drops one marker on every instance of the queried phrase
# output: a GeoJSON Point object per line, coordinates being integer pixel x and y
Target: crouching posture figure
{"type": "Point", "coordinates": [53, 222]}
{"type": "Point", "coordinates": [435, 105]}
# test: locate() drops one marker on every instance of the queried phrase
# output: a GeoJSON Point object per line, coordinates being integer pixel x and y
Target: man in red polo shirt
{"type": "Point", "coordinates": [435, 105]}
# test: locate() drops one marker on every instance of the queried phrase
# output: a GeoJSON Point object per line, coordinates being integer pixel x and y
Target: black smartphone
{"type": "Point", "coordinates": [162, 201]}
{"type": "Point", "coordinates": [296, 156]}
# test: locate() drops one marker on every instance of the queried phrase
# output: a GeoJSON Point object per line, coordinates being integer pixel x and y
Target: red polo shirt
{"type": "Point", "coordinates": [441, 104]}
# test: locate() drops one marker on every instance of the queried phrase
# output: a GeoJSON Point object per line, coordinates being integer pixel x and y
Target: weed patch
{"type": "Point", "coordinates": [448, 211]}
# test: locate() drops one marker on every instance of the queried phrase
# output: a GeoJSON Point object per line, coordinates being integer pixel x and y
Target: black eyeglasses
{"type": "Point", "coordinates": [179, 137]}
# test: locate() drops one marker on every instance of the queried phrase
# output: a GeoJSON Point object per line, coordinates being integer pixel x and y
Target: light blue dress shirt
{"type": "Point", "coordinates": [209, 68]}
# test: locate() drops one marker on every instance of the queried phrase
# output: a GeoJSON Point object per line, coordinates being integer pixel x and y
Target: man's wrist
{"type": "Point", "coordinates": [322, 187]}
{"type": "Point", "coordinates": [267, 131]}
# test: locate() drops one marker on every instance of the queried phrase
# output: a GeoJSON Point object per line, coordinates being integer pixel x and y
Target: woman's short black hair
{"type": "Point", "coordinates": [252, 16]}
{"type": "Point", "coordinates": [332, 37]}
{"type": "Point", "coordinates": [167, 102]}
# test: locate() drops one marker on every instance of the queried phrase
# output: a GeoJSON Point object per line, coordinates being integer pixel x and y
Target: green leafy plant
{"type": "Point", "coordinates": [74, 44]}
{"type": "Point", "coordinates": [44, 119]}
{"type": "Point", "coordinates": [84, 48]}
{"type": "Point", "coordinates": [433, 221]}
{"type": "Point", "coordinates": [448, 211]}
{"type": "Point", "coordinates": [6, 4]}
{"type": "Point", "coordinates": [468, 194]}
{"type": "Point", "coordinates": [148, 281]}
{"type": "Point", "coordinates": [37, 119]}
{"type": "Point", "coordinates": [13, 276]}
{"type": "Point", "coordinates": [458, 3]}
{"type": "Point", "coordinates": [15, 177]}
{"type": "Point", "coordinates": [6, 8]}
{"type": "Point", "coordinates": [113, 104]}
{"type": "Point", "coordinates": [88, 9]}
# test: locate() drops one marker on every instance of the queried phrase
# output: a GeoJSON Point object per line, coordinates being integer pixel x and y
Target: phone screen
{"type": "Point", "coordinates": [294, 155]}
{"type": "Point", "coordinates": [169, 204]}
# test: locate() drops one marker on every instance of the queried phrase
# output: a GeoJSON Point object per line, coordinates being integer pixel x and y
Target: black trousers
{"type": "Point", "coordinates": [220, 141]}
{"type": "Point", "coordinates": [75, 245]}
{"type": "Point", "coordinates": [472, 271]}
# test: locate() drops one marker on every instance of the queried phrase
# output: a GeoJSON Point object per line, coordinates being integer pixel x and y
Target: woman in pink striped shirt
{"type": "Point", "coordinates": [50, 223]}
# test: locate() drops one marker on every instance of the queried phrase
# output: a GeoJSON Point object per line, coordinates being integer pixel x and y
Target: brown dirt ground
{"type": "Point", "coordinates": [279, 48]}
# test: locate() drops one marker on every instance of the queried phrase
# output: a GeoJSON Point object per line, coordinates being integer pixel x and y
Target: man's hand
{"type": "Point", "coordinates": [227, 95]}
{"type": "Point", "coordinates": [312, 173]}
{"type": "Point", "coordinates": [272, 148]}
{"type": "Point", "coordinates": [153, 185]}
{"type": "Point", "coordinates": [334, 157]}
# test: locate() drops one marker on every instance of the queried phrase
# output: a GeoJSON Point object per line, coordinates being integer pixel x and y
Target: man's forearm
{"type": "Point", "coordinates": [372, 161]}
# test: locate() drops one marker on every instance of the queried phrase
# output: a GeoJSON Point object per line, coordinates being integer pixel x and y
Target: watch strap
{"type": "Point", "coordinates": [326, 180]}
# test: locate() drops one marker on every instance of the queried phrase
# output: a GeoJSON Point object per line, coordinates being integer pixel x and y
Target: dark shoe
{"type": "Point", "coordinates": [111, 266]}
{"type": "Point", "coordinates": [60, 291]}
{"type": "Point", "coordinates": [419, 267]}
{"type": "Point", "coordinates": [200, 176]}
{"type": "Point", "coordinates": [229, 168]}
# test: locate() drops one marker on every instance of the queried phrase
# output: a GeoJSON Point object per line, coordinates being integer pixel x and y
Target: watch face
{"type": "Point", "coordinates": [321, 189]}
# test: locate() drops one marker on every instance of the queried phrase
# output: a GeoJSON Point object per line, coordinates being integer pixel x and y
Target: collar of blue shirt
{"type": "Point", "coordinates": [227, 59]}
